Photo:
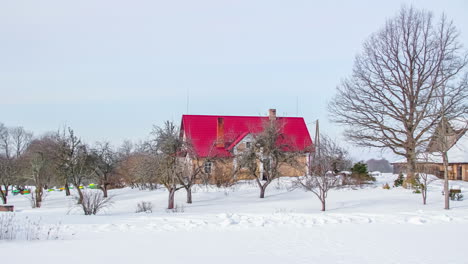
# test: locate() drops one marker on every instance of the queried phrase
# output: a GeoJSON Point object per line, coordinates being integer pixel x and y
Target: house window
{"type": "Point", "coordinates": [247, 144]}
{"type": "Point", "coordinates": [208, 166]}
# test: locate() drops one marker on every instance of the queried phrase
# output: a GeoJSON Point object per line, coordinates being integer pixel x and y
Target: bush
{"type": "Point", "coordinates": [360, 175]}
{"type": "Point", "coordinates": [399, 181]}
{"type": "Point", "coordinates": [143, 206]}
{"type": "Point", "coordinates": [456, 196]}
{"type": "Point", "coordinates": [94, 201]}
{"type": "Point", "coordinates": [386, 186]}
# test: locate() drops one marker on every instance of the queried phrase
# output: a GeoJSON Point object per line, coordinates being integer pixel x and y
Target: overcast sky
{"type": "Point", "coordinates": [111, 68]}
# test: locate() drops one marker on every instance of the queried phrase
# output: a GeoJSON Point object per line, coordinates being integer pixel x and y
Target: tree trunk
{"type": "Point", "coordinates": [67, 190]}
{"type": "Point", "coordinates": [424, 195]}
{"type": "Point", "coordinates": [171, 198]}
{"type": "Point", "coordinates": [189, 194]}
{"type": "Point", "coordinates": [4, 197]}
{"type": "Point", "coordinates": [262, 191]}
{"type": "Point", "coordinates": [323, 204]}
{"type": "Point", "coordinates": [104, 190]}
{"type": "Point", "coordinates": [80, 194]}
{"type": "Point", "coordinates": [6, 189]}
{"type": "Point", "coordinates": [38, 196]}
{"type": "Point", "coordinates": [411, 167]}
{"type": "Point", "coordinates": [446, 182]}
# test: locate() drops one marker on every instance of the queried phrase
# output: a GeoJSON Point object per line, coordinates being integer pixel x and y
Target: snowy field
{"type": "Point", "coordinates": [365, 225]}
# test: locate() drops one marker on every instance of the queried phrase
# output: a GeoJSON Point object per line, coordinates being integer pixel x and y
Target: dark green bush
{"type": "Point", "coordinates": [456, 196]}
{"type": "Point", "coordinates": [360, 174]}
{"type": "Point", "coordinates": [399, 181]}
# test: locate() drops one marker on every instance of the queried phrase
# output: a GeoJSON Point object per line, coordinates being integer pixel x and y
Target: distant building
{"type": "Point", "coordinates": [457, 138]}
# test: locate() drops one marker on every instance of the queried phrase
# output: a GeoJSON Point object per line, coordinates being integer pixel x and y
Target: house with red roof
{"type": "Point", "coordinates": [214, 137]}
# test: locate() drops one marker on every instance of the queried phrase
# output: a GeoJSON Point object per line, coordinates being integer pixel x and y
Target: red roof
{"type": "Point", "coordinates": [201, 130]}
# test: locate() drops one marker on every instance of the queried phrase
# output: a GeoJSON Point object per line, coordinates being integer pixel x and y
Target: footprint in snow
{"type": "Point", "coordinates": [417, 220]}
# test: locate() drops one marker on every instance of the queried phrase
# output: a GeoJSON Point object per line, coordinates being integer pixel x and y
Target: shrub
{"type": "Point", "coordinates": [386, 186]}
{"type": "Point", "coordinates": [94, 201]}
{"type": "Point", "coordinates": [456, 196]}
{"type": "Point", "coordinates": [12, 228]}
{"type": "Point", "coordinates": [143, 206]}
{"type": "Point", "coordinates": [399, 181]}
{"type": "Point", "coordinates": [360, 175]}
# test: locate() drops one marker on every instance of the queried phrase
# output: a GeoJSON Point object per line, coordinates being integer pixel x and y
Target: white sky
{"type": "Point", "coordinates": [112, 68]}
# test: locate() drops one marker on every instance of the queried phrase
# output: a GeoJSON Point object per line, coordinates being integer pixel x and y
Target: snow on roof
{"type": "Point", "coordinates": [458, 153]}
{"type": "Point", "coordinates": [459, 123]}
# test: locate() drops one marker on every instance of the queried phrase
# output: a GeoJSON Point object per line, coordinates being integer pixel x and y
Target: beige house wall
{"type": "Point", "coordinates": [224, 169]}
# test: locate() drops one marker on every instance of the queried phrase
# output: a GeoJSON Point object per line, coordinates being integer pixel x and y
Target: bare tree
{"type": "Point", "coordinates": [139, 170]}
{"type": "Point", "coordinates": [270, 151]}
{"type": "Point", "coordinates": [4, 168]}
{"type": "Point", "coordinates": [192, 168]}
{"type": "Point", "coordinates": [126, 149]}
{"type": "Point", "coordinates": [40, 167]}
{"type": "Point", "coordinates": [137, 165]}
{"type": "Point", "coordinates": [324, 174]}
{"type": "Point", "coordinates": [4, 178]}
{"type": "Point", "coordinates": [105, 163]}
{"type": "Point", "coordinates": [20, 139]}
{"type": "Point", "coordinates": [391, 101]}
{"type": "Point", "coordinates": [13, 143]}
{"type": "Point", "coordinates": [167, 147]}
{"type": "Point", "coordinates": [37, 165]}
{"type": "Point", "coordinates": [74, 161]}
{"type": "Point", "coordinates": [67, 145]}
{"type": "Point", "coordinates": [425, 174]}
{"type": "Point", "coordinates": [81, 168]}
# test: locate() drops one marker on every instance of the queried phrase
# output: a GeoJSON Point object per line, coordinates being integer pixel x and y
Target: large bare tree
{"type": "Point", "coordinates": [392, 100]}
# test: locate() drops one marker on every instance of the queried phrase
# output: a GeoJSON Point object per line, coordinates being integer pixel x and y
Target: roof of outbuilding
{"type": "Point", "coordinates": [201, 130]}
{"type": "Point", "coordinates": [458, 152]}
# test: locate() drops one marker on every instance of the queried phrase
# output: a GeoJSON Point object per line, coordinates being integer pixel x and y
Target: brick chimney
{"type": "Point", "coordinates": [272, 114]}
{"type": "Point", "coordinates": [220, 133]}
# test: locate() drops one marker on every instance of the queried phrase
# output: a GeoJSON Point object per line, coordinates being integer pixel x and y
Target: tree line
{"type": "Point", "coordinates": [62, 159]}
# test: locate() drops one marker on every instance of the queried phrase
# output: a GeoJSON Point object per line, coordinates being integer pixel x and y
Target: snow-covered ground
{"type": "Point", "coordinates": [363, 225]}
